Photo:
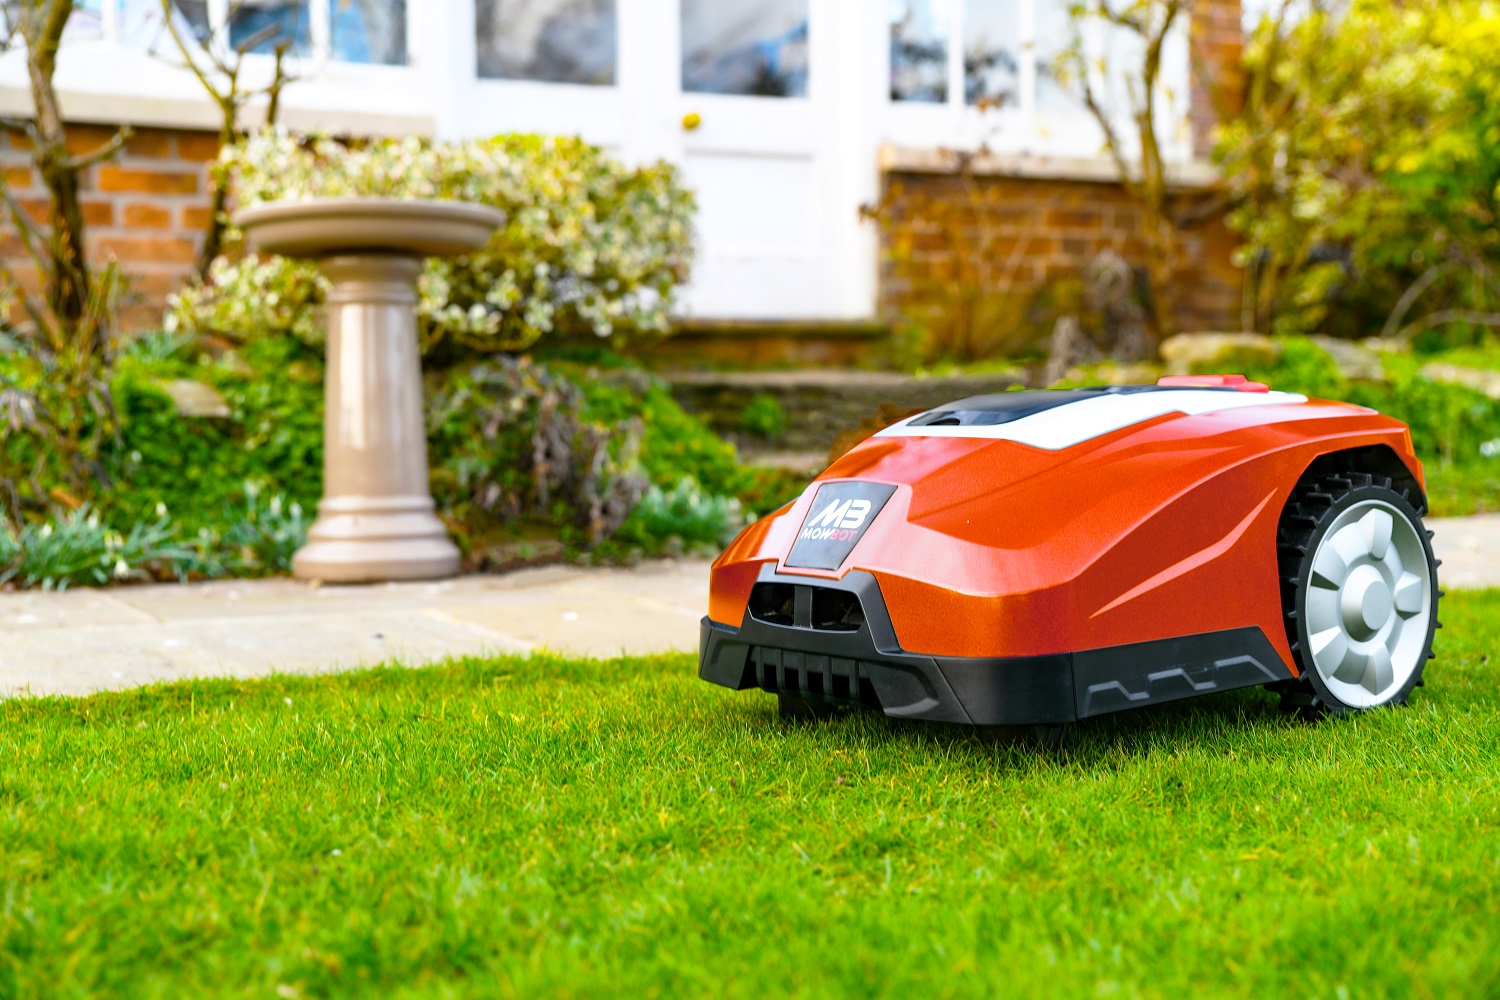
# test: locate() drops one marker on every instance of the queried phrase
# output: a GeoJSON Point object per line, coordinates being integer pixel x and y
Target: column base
{"type": "Point", "coordinates": [368, 539]}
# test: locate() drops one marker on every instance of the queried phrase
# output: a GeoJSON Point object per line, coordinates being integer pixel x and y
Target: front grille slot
{"type": "Point", "coordinates": [810, 674]}
{"type": "Point", "coordinates": [806, 606]}
{"type": "Point", "coordinates": [773, 603]}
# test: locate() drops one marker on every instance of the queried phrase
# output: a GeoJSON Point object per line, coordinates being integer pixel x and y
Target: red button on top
{"type": "Point", "coordinates": [1222, 381]}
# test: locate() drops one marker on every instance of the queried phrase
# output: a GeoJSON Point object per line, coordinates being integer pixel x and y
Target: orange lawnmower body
{"type": "Point", "coordinates": [1074, 538]}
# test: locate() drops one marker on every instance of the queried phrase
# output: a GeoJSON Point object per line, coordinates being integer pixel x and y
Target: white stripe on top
{"type": "Point", "coordinates": [1092, 416]}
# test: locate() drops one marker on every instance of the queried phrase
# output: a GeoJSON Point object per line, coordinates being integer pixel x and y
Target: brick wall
{"type": "Point", "coordinates": [147, 209]}
{"type": "Point", "coordinates": [1055, 228]}
{"type": "Point", "coordinates": [1051, 229]}
{"type": "Point", "coordinates": [1217, 46]}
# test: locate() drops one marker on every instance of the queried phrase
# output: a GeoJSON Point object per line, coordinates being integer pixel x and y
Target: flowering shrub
{"type": "Point", "coordinates": [588, 245]}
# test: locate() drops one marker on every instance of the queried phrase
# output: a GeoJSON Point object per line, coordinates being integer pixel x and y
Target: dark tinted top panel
{"type": "Point", "coordinates": [1003, 407]}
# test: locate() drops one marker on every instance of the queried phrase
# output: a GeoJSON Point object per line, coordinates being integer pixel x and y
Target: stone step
{"type": "Point", "coordinates": [820, 404]}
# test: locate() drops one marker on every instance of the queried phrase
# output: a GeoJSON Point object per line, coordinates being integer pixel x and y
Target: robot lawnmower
{"type": "Point", "coordinates": [1040, 557]}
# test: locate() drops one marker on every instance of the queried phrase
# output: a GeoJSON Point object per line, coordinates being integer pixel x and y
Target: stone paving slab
{"type": "Point", "coordinates": [80, 641]}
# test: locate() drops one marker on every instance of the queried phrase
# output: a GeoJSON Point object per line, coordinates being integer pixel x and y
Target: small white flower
{"type": "Point", "coordinates": [122, 571]}
{"type": "Point", "coordinates": [287, 700]}
{"type": "Point", "coordinates": [1490, 449]}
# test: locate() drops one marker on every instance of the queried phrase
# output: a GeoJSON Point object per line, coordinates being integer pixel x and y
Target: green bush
{"type": "Point", "coordinates": [682, 518]}
{"type": "Point", "coordinates": [508, 437]}
{"type": "Point", "coordinates": [1449, 423]}
{"type": "Point", "coordinates": [588, 246]}
{"type": "Point", "coordinates": [1366, 163]}
{"type": "Point", "coordinates": [763, 417]}
{"type": "Point", "coordinates": [80, 548]}
{"type": "Point", "coordinates": [198, 469]}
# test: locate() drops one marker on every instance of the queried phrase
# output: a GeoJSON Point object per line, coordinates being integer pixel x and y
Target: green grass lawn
{"type": "Point", "coordinates": [534, 827]}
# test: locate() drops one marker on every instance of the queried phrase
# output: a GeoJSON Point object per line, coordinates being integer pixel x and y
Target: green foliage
{"type": "Point", "coordinates": [80, 548]}
{"type": "Point", "coordinates": [56, 425]}
{"type": "Point", "coordinates": [764, 417]}
{"type": "Point", "coordinates": [198, 468]}
{"type": "Point", "coordinates": [543, 826]}
{"type": "Point", "coordinates": [674, 443]}
{"type": "Point", "coordinates": [684, 513]}
{"type": "Point", "coordinates": [588, 246]}
{"type": "Point", "coordinates": [1366, 165]}
{"type": "Point", "coordinates": [1449, 423]}
{"type": "Point", "coordinates": [510, 437]}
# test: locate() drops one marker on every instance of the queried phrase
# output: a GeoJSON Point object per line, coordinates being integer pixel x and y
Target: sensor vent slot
{"type": "Point", "coordinates": [800, 606]}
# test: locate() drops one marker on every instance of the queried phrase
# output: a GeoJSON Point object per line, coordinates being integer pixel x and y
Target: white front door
{"type": "Point", "coordinates": [759, 138]}
{"type": "Point", "coordinates": [760, 102]}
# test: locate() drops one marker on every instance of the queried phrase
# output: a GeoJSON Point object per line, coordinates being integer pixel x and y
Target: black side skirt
{"type": "Point", "coordinates": [866, 665]}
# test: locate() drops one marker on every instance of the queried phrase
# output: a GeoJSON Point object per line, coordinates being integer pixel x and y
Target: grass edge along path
{"type": "Point", "coordinates": [548, 826]}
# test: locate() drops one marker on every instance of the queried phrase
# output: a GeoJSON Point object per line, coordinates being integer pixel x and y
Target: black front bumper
{"type": "Point", "coordinates": [865, 665]}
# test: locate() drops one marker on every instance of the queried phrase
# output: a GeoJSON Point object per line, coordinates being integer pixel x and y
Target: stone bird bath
{"type": "Point", "coordinates": [376, 520]}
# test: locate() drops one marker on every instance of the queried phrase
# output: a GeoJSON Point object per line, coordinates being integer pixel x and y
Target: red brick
{"type": "Point", "coordinates": [37, 209]}
{"type": "Point", "coordinates": [199, 147]}
{"type": "Point", "coordinates": [84, 139]}
{"type": "Point", "coordinates": [158, 284]}
{"type": "Point", "coordinates": [154, 143]}
{"type": "Point", "coordinates": [196, 217]}
{"type": "Point", "coordinates": [97, 212]}
{"type": "Point", "coordinates": [147, 249]}
{"type": "Point", "coordinates": [142, 215]}
{"type": "Point", "coordinates": [113, 178]}
{"type": "Point", "coordinates": [18, 178]}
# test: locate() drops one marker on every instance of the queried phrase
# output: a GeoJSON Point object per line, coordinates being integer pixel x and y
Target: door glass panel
{"type": "Point", "coordinates": [192, 16]}
{"type": "Point", "coordinates": [553, 41]}
{"type": "Point", "coordinates": [992, 36]}
{"type": "Point", "coordinates": [369, 31]}
{"type": "Point", "coordinates": [262, 25]}
{"type": "Point", "coordinates": [919, 50]}
{"type": "Point", "coordinates": [745, 47]}
{"type": "Point", "coordinates": [1054, 36]}
{"type": "Point", "coordinates": [85, 22]}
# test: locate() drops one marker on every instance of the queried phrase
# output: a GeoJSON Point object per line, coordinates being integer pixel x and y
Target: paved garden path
{"type": "Point", "coordinates": [86, 640]}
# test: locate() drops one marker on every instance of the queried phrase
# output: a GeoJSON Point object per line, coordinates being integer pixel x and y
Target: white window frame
{"type": "Point", "coordinates": [109, 77]}
{"type": "Point", "coordinates": [1021, 128]}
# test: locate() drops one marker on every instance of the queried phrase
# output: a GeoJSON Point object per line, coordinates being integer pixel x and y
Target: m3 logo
{"type": "Point", "coordinates": [849, 515]}
{"type": "Point", "coordinates": [839, 514]}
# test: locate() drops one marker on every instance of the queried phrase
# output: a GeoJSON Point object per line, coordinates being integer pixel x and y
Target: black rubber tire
{"type": "Point", "coordinates": [792, 706]}
{"type": "Point", "coordinates": [1308, 514]}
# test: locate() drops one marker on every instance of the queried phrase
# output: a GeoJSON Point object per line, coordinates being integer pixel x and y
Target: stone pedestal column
{"type": "Point", "coordinates": [376, 520]}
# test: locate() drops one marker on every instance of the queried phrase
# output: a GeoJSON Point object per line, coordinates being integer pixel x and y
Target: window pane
{"type": "Point", "coordinates": [193, 15]}
{"type": "Point", "coordinates": [992, 34]}
{"type": "Point", "coordinates": [269, 23]}
{"type": "Point", "coordinates": [1054, 36]}
{"type": "Point", "coordinates": [369, 31]}
{"type": "Point", "coordinates": [919, 50]}
{"type": "Point", "coordinates": [745, 47]}
{"type": "Point", "coordinates": [555, 41]}
{"type": "Point", "coordinates": [85, 22]}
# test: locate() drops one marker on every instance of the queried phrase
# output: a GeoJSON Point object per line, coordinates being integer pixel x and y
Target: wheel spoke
{"type": "Point", "coordinates": [1377, 529]}
{"type": "Point", "coordinates": [1331, 646]}
{"type": "Point", "coordinates": [1329, 569]}
{"type": "Point", "coordinates": [1378, 671]}
{"type": "Point", "coordinates": [1408, 595]}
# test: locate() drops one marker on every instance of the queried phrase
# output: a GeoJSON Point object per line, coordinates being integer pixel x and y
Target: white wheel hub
{"type": "Point", "coordinates": [1368, 603]}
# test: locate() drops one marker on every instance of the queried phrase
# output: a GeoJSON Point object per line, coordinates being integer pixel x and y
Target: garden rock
{"type": "Point", "coordinates": [194, 399]}
{"type": "Point", "coordinates": [1487, 382]}
{"type": "Point", "coordinates": [1355, 362]}
{"type": "Point", "coordinates": [1218, 352]}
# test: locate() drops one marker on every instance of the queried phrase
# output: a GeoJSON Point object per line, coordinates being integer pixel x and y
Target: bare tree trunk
{"type": "Point", "coordinates": [67, 278]}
